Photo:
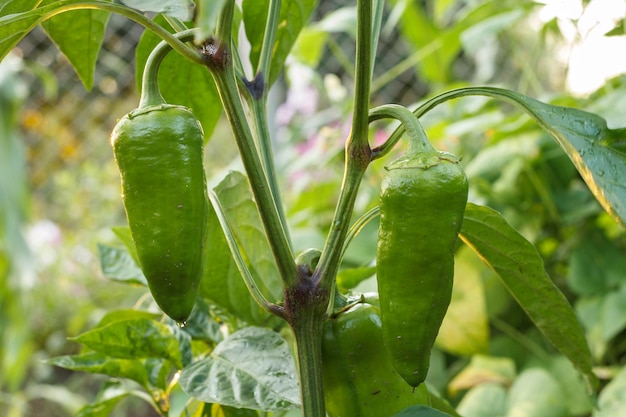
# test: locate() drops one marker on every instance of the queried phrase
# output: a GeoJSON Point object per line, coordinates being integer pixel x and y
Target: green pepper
{"type": "Point", "coordinates": [422, 202]}
{"type": "Point", "coordinates": [358, 374]}
{"type": "Point", "coordinates": [159, 149]}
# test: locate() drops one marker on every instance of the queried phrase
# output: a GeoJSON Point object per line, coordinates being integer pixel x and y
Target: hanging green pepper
{"type": "Point", "coordinates": [359, 378]}
{"type": "Point", "coordinates": [158, 149]}
{"type": "Point", "coordinates": [422, 202]}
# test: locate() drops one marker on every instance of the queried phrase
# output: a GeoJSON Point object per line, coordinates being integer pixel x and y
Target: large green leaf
{"type": "Point", "coordinates": [14, 26]}
{"type": "Point", "coordinates": [597, 152]}
{"type": "Point", "coordinates": [79, 35]}
{"type": "Point", "coordinates": [221, 282]}
{"type": "Point", "coordinates": [98, 363]}
{"type": "Point", "coordinates": [182, 82]}
{"type": "Point", "coordinates": [465, 328]}
{"type": "Point", "coordinates": [252, 368]}
{"type": "Point", "coordinates": [294, 15]}
{"type": "Point", "coordinates": [128, 339]}
{"type": "Point", "coordinates": [118, 265]}
{"type": "Point", "coordinates": [521, 269]}
{"type": "Point", "coordinates": [8, 7]}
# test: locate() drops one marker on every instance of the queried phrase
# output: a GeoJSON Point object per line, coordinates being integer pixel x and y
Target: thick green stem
{"type": "Point", "coordinates": [220, 63]}
{"type": "Point", "coordinates": [309, 354]}
{"type": "Point", "coordinates": [63, 6]}
{"type": "Point", "coordinates": [217, 57]}
{"type": "Point", "coordinates": [227, 88]}
{"type": "Point", "coordinates": [305, 309]}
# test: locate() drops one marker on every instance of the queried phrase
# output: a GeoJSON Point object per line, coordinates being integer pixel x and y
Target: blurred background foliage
{"type": "Point", "coordinates": [59, 188]}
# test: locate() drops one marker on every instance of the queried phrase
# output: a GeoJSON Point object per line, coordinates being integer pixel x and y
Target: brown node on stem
{"type": "Point", "coordinates": [215, 54]}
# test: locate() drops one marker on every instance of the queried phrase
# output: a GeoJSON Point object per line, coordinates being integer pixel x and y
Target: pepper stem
{"type": "Point", "coordinates": [150, 93]}
{"type": "Point", "coordinates": [418, 141]}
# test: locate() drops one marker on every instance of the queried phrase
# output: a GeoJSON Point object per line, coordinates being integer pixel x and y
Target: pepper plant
{"type": "Point", "coordinates": [271, 331]}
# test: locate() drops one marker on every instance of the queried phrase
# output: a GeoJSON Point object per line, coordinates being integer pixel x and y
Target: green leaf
{"type": "Point", "coordinates": [618, 30]}
{"type": "Point", "coordinates": [252, 368]}
{"type": "Point", "coordinates": [8, 7]}
{"type": "Point", "coordinates": [221, 282]}
{"type": "Point", "coordinates": [225, 411]}
{"type": "Point", "coordinates": [576, 400]}
{"type": "Point", "coordinates": [108, 398]}
{"type": "Point", "coordinates": [14, 27]}
{"type": "Point", "coordinates": [604, 318]}
{"type": "Point", "coordinates": [536, 393]}
{"type": "Point", "coordinates": [78, 35]}
{"type": "Point", "coordinates": [483, 368]}
{"type": "Point", "coordinates": [597, 152]}
{"type": "Point", "coordinates": [97, 363]}
{"type": "Point", "coordinates": [184, 342]}
{"type": "Point", "coordinates": [485, 400]}
{"type": "Point", "coordinates": [309, 46]}
{"type": "Point", "coordinates": [441, 46]}
{"type": "Point", "coordinates": [118, 265]}
{"type": "Point", "coordinates": [127, 314]}
{"type": "Point", "coordinates": [180, 9]}
{"type": "Point", "coordinates": [129, 339]}
{"type": "Point", "coordinates": [182, 82]}
{"type": "Point", "coordinates": [438, 43]}
{"type": "Point", "coordinates": [102, 408]}
{"type": "Point", "coordinates": [124, 235]}
{"type": "Point", "coordinates": [347, 279]}
{"type": "Point", "coordinates": [294, 15]}
{"type": "Point", "coordinates": [201, 325]}
{"type": "Point", "coordinates": [612, 401]}
{"type": "Point", "coordinates": [465, 328]}
{"type": "Point", "coordinates": [521, 269]}
{"type": "Point", "coordinates": [254, 14]}
{"type": "Point", "coordinates": [596, 266]}
{"type": "Point", "coordinates": [207, 15]}
{"type": "Point", "coordinates": [421, 411]}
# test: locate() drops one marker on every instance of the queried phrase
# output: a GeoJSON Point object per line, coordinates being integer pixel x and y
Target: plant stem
{"type": "Point", "coordinates": [358, 152]}
{"type": "Point", "coordinates": [307, 331]}
{"type": "Point", "coordinates": [418, 141]}
{"type": "Point", "coordinates": [277, 238]}
{"type": "Point", "coordinates": [248, 279]}
{"type": "Point", "coordinates": [150, 94]}
{"type": "Point", "coordinates": [218, 60]}
{"type": "Point", "coordinates": [258, 90]}
{"type": "Point", "coordinates": [264, 142]}
{"type": "Point", "coordinates": [63, 6]}
{"type": "Point", "coordinates": [493, 92]}
{"type": "Point", "coordinates": [269, 37]}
